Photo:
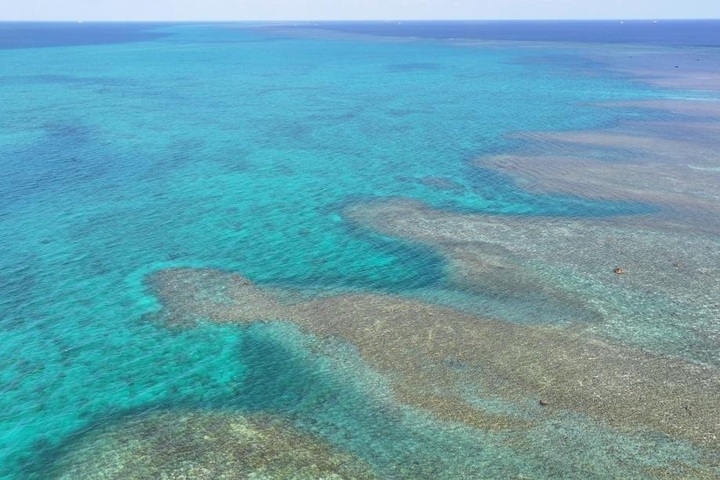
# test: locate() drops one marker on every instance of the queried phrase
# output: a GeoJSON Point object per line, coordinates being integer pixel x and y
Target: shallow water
{"type": "Point", "coordinates": [241, 148]}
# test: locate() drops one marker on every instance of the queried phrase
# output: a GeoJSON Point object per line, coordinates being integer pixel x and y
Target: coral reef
{"type": "Point", "coordinates": [432, 354]}
{"type": "Point", "coordinates": [197, 445]}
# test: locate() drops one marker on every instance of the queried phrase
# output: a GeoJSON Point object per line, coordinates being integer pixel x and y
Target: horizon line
{"type": "Point", "coordinates": [358, 20]}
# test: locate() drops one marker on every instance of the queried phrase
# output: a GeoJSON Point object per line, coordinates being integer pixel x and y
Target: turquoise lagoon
{"type": "Point", "coordinates": [237, 147]}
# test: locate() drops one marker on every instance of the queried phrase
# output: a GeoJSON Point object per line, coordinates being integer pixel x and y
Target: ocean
{"type": "Point", "coordinates": [246, 225]}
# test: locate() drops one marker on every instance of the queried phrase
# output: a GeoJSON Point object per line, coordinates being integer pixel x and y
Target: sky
{"type": "Point", "coordinates": [178, 10]}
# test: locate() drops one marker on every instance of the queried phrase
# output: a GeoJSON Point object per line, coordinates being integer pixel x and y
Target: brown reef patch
{"type": "Point", "coordinates": [431, 355]}
{"type": "Point", "coordinates": [671, 162]}
{"type": "Point", "coordinates": [674, 174]}
{"type": "Point", "coordinates": [574, 260]}
{"type": "Point", "coordinates": [206, 446]}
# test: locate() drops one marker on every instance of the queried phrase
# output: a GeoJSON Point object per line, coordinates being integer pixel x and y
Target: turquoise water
{"type": "Point", "coordinates": [236, 148]}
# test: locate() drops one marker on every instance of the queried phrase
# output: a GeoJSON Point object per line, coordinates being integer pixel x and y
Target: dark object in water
{"type": "Point", "coordinates": [619, 270]}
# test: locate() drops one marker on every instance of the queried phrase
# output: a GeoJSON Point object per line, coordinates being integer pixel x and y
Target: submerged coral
{"type": "Point", "coordinates": [176, 445]}
{"type": "Point", "coordinates": [671, 162]}
{"type": "Point", "coordinates": [432, 355]}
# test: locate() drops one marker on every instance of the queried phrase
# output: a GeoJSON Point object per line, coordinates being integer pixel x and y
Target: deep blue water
{"type": "Point", "coordinates": [661, 32]}
{"type": "Point", "coordinates": [649, 32]}
{"type": "Point", "coordinates": [128, 148]}
{"type": "Point", "coordinates": [52, 34]}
